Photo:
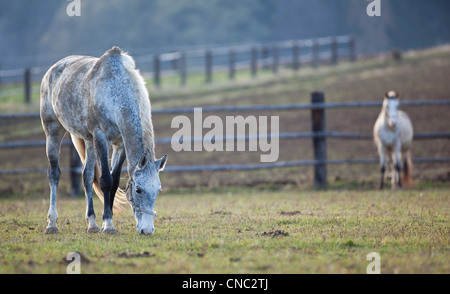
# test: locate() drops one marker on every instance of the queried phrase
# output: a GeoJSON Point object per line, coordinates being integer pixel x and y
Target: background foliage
{"type": "Point", "coordinates": [29, 29]}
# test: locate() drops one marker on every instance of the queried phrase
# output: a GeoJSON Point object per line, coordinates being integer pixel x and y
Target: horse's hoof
{"type": "Point", "coordinates": [108, 228]}
{"type": "Point", "coordinates": [109, 231]}
{"type": "Point", "coordinates": [93, 230]}
{"type": "Point", "coordinates": [51, 230]}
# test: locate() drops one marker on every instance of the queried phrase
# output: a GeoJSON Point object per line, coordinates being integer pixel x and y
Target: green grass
{"type": "Point", "coordinates": [233, 231]}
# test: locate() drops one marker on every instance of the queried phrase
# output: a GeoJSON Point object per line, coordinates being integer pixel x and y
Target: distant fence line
{"type": "Point", "coordinates": [292, 135]}
{"type": "Point", "coordinates": [318, 135]}
{"type": "Point", "coordinates": [271, 56]}
{"type": "Point", "coordinates": [234, 167]}
{"type": "Point", "coordinates": [329, 105]}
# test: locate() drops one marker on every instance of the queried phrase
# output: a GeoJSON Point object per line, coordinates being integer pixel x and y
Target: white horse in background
{"type": "Point", "coordinates": [393, 135]}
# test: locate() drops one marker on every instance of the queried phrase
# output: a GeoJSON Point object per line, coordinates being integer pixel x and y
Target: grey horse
{"type": "Point", "coordinates": [102, 102]}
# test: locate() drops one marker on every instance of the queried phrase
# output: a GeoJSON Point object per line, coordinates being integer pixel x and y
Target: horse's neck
{"type": "Point", "coordinates": [131, 131]}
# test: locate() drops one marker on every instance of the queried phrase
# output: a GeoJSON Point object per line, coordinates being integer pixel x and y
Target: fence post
{"type": "Point", "coordinates": [315, 52]}
{"type": "Point", "coordinates": [75, 171]}
{"type": "Point", "coordinates": [254, 61]}
{"type": "Point", "coordinates": [264, 56]}
{"type": "Point", "coordinates": [27, 85]}
{"type": "Point", "coordinates": [175, 61]}
{"type": "Point", "coordinates": [157, 70]}
{"type": "Point", "coordinates": [275, 59]}
{"type": "Point", "coordinates": [183, 68]}
{"type": "Point", "coordinates": [208, 66]}
{"type": "Point", "coordinates": [319, 141]}
{"type": "Point", "coordinates": [351, 45]}
{"type": "Point", "coordinates": [231, 62]}
{"type": "Point", "coordinates": [295, 56]}
{"type": "Point", "coordinates": [334, 51]}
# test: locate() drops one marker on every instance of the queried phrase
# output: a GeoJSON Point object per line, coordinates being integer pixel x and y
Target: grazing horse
{"type": "Point", "coordinates": [393, 134]}
{"type": "Point", "coordinates": [102, 102]}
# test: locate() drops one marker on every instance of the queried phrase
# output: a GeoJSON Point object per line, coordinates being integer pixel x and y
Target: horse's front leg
{"type": "Point", "coordinates": [106, 181]}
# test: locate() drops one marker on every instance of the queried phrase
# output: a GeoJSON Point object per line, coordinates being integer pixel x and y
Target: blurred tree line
{"type": "Point", "coordinates": [42, 28]}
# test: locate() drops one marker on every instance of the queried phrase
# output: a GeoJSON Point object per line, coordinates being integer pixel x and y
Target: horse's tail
{"type": "Point", "coordinates": [120, 199]}
{"type": "Point", "coordinates": [407, 170]}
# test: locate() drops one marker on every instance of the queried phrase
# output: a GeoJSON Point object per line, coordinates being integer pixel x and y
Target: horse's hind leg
{"type": "Point", "coordinates": [88, 179]}
{"type": "Point", "coordinates": [398, 167]}
{"type": "Point", "coordinates": [381, 153]}
{"type": "Point", "coordinates": [118, 157]}
{"type": "Point", "coordinates": [54, 134]}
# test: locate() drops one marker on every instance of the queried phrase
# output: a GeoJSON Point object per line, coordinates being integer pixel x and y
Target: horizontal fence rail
{"type": "Point", "coordinates": [305, 106]}
{"type": "Point", "coordinates": [315, 135]}
{"type": "Point", "coordinates": [292, 135]}
{"type": "Point", "coordinates": [237, 167]}
{"type": "Point", "coordinates": [288, 164]}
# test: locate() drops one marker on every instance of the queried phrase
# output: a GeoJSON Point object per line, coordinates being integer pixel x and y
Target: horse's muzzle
{"type": "Point", "coordinates": [145, 227]}
{"type": "Point", "coordinates": [147, 231]}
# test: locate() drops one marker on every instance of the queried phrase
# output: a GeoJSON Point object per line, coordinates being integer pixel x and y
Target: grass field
{"type": "Point", "coordinates": [240, 231]}
{"type": "Point", "coordinates": [267, 221]}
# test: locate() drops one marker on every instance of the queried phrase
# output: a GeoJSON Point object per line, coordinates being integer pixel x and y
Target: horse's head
{"type": "Point", "coordinates": [390, 107]}
{"type": "Point", "coordinates": [142, 189]}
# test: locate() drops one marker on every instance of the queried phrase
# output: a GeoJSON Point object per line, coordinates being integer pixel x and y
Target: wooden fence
{"type": "Point", "coordinates": [293, 54]}
{"type": "Point", "coordinates": [254, 57]}
{"type": "Point", "coordinates": [318, 134]}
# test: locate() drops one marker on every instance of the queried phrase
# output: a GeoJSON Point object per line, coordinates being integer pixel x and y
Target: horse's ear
{"type": "Point", "coordinates": [142, 161]}
{"type": "Point", "coordinates": [391, 93]}
{"type": "Point", "coordinates": [161, 163]}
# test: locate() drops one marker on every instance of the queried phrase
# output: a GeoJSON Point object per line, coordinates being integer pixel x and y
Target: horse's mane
{"type": "Point", "coordinates": [143, 99]}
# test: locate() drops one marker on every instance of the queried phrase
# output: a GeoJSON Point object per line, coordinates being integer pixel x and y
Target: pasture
{"type": "Point", "coordinates": [240, 231]}
{"type": "Point", "coordinates": [267, 221]}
